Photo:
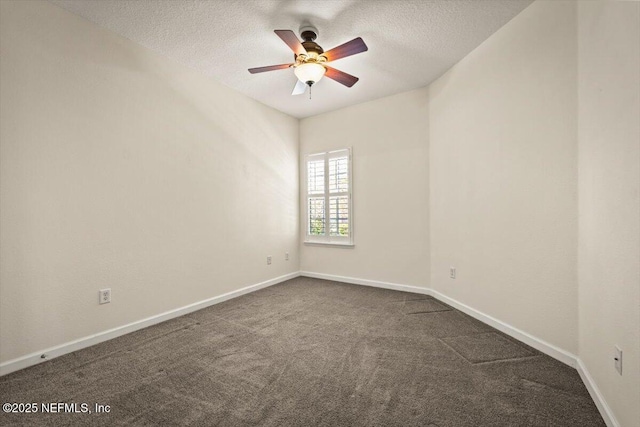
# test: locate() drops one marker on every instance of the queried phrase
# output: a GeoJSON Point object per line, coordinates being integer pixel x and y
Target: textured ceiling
{"type": "Point", "coordinates": [410, 42]}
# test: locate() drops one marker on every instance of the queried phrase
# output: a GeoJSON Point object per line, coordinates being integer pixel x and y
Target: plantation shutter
{"type": "Point", "coordinates": [329, 207]}
{"type": "Point", "coordinates": [339, 193]}
{"type": "Point", "coordinates": [316, 203]}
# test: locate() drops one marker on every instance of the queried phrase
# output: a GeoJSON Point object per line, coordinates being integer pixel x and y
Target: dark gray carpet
{"type": "Point", "coordinates": [310, 352]}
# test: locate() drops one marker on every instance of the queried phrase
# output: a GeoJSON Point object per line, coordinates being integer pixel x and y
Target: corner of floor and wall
{"type": "Point", "coordinates": [519, 167]}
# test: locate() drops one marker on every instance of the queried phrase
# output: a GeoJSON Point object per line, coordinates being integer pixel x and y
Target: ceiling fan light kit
{"type": "Point", "coordinates": [309, 72]}
{"type": "Point", "coordinates": [310, 59]}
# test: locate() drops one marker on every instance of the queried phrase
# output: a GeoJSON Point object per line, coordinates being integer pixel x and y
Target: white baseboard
{"type": "Point", "coordinates": [367, 282]}
{"type": "Point", "coordinates": [532, 341]}
{"type": "Point", "coordinates": [537, 343]}
{"type": "Point", "coordinates": [50, 353]}
{"type": "Point", "coordinates": [594, 391]}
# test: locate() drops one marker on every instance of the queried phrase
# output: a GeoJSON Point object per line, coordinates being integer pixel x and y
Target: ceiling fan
{"type": "Point", "coordinates": [310, 59]}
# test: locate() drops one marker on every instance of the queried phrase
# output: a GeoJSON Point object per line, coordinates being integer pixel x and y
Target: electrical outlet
{"type": "Point", "coordinates": [104, 296]}
{"type": "Point", "coordinates": [452, 272]}
{"type": "Point", "coordinates": [286, 256]}
{"type": "Point", "coordinates": [618, 360]}
{"type": "Point", "coordinates": [269, 260]}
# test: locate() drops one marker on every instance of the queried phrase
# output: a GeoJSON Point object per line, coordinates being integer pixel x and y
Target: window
{"type": "Point", "coordinates": [329, 208]}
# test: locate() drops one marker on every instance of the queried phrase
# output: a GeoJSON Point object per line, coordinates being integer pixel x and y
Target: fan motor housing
{"type": "Point", "coordinates": [312, 47]}
{"type": "Point", "coordinates": [309, 34]}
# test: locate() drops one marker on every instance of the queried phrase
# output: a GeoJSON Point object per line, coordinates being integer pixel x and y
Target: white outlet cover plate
{"type": "Point", "coordinates": [104, 296]}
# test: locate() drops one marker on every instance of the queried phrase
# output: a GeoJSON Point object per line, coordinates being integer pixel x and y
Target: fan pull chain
{"type": "Point", "coordinates": [309, 91]}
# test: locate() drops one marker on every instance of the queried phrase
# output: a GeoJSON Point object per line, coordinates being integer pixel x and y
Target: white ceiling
{"type": "Point", "coordinates": [411, 42]}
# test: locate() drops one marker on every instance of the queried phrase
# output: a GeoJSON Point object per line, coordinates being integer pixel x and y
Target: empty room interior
{"type": "Point", "coordinates": [337, 213]}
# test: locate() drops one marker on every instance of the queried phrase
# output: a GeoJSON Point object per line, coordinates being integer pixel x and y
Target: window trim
{"type": "Point", "coordinates": [327, 239]}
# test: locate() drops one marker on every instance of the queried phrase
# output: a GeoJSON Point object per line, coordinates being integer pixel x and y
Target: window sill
{"type": "Point", "coordinates": [330, 244]}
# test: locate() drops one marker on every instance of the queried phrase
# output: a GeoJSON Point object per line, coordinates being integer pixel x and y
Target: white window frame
{"type": "Point", "coordinates": [327, 239]}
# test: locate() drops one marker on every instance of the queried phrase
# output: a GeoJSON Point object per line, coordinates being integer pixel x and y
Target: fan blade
{"type": "Point", "coordinates": [269, 68]}
{"type": "Point", "coordinates": [349, 48]}
{"type": "Point", "coordinates": [290, 38]}
{"type": "Point", "coordinates": [299, 88]}
{"type": "Point", "coordinates": [341, 77]}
